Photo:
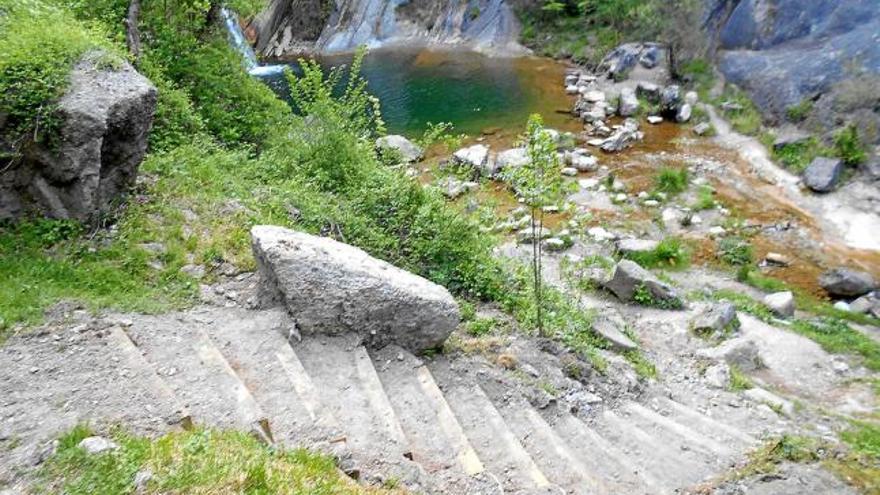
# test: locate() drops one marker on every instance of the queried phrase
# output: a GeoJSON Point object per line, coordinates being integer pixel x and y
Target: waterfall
{"type": "Point", "coordinates": [249, 58]}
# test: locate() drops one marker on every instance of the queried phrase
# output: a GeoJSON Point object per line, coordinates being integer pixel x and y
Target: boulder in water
{"type": "Point", "coordinates": [331, 287]}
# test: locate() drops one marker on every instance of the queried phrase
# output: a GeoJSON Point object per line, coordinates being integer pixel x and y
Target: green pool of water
{"type": "Point", "coordinates": [472, 91]}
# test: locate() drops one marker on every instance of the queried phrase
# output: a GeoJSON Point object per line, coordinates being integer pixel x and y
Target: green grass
{"type": "Point", "coordinates": [643, 366]}
{"type": "Point", "coordinates": [705, 199]}
{"type": "Point", "coordinates": [735, 251]}
{"type": "Point", "coordinates": [201, 461]}
{"type": "Point", "coordinates": [799, 113]}
{"type": "Point", "coordinates": [798, 156]}
{"type": "Point", "coordinates": [671, 181]}
{"type": "Point", "coordinates": [849, 146]}
{"type": "Point", "coordinates": [739, 381]}
{"type": "Point", "coordinates": [644, 297]}
{"type": "Point", "coordinates": [832, 333]}
{"type": "Point", "coordinates": [746, 120]}
{"type": "Point", "coordinates": [701, 74]}
{"type": "Point", "coordinates": [671, 252]}
{"type": "Point", "coordinates": [481, 326]}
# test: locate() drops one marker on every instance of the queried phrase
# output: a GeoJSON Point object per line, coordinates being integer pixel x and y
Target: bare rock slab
{"type": "Point", "coordinates": [331, 287]}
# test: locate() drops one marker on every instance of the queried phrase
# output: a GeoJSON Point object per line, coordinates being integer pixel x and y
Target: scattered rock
{"type": "Point", "coordinates": [635, 246]}
{"type": "Point", "coordinates": [409, 152]}
{"type": "Point", "coordinates": [583, 162]}
{"type": "Point", "coordinates": [844, 282]}
{"type": "Point", "coordinates": [329, 286]}
{"type": "Point", "coordinates": [555, 244]}
{"type": "Point", "coordinates": [629, 103]}
{"type": "Point", "coordinates": [739, 352]}
{"type": "Point", "coordinates": [655, 119]}
{"type": "Point", "coordinates": [717, 375]}
{"type": "Point", "coordinates": [527, 235]}
{"type": "Point", "coordinates": [623, 137]}
{"type": "Point", "coordinates": [97, 445]}
{"type": "Point", "coordinates": [774, 401]}
{"type": "Point", "coordinates": [93, 161]}
{"type": "Point", "coordinates": [781, 303]}
{"type": "Point", "coordinates": [776, 259]}
{"type": "Point", "coordinates": [476, 157]}
{"type": "Point", "coordinates": [629, 277]}
{"type": "Point", "coordinates": [569, 172]}
{"type": "Point", "coordinates": [613, 334]}
{"type": "Point", "coordinates": [684, 113]}
{"type": "Point", "coordinates": [600, 234]}
{"type": "Point", "coordinates": [511, 159]}
{"type": "Point", "coordinates": [691, 98]}
{"type": "Point", "coordinates": [716, 319]}
{"type": "Point", "coordinates": [823, 174]}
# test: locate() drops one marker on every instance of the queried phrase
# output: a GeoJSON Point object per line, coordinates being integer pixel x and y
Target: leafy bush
{"type": "Point", "coordinates": [39, 45]}
{"type": "Point", "coordinates": [797, 156]}
{"type": "Point", "coordinates": [736, 251]}
{"type": "Point", "coordinates": [800, 112]}
{"type": "Point", "coordinates": [705, 199]}
{"type": "Point", "coordinates": [671, 181]}
{"type": "Point", "coordinates": [849, 147]}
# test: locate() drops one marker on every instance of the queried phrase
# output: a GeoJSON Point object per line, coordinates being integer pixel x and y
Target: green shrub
{"type": "Point", "coordinates": [739, 381]}
{"type": "Point", "coordinates": [800, 112]}
{"type": "Point", "coordinates": [671, 181]}
{"type": "Point", "coordinates": [736, 251]}
{"type": "Point", "coordinates": [39, 45]}
{"type": "Point", "coordinates": [797, 156]}
{"type": "Point", "coordinates": [746, 119]}
{"type": "Point", "coordinates": [705, 199]}
{"type": "Point", "coordinates": [849, 147]}
{"type": "Point", "coordinates": [670, 252]}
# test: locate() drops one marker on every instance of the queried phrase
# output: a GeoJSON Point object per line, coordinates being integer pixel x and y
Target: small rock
{"type": "Point", "coordinates": [716, 231]}
{"type": "Point", "coordinates": [600, 234]}
{"type": "Point", "coordinates": [716, 319]}
{"type": "Point", "coordinates": [141, 479]}
{"type": "Point", "coordinates": [409, 152]}
{"type": "Point", "coordinates": [620, 198]}
{"type": "Point", "coordinates": [776, 259]}
{"type": "Point", "coordinates": [739, 352]}
{"type": "Point", "coordinates": [865, 304]}
{"type": "Point", "coordinates": [691, 98]}
{"type": "Point", "coordinates": [629, 277]}
{"type": "Point", "coordinates": [684, 113]}
{"type": "Point", "coordinates": [569, 172]}
{"type": "Point", "coordinates": [634, 246]}
{"type": "Point", "coordinates": [655, 119]}
{"type": "Point", "coordinates": [476, 157]}
{"type": "Point", "coordinates": [588, 183]}
{"type": "Point", "coordinates": [648, 91]}
{"type": "Point", "coordinates": [584, 163]}
{"type": "Point", "coordinates": [842, 306]}
{"type": "Point", "coordinates": [97, 445]}
{"type": "Point", "coordinates": [781, 303]}
{"type": "Point", "coordinates": [702, 129]}
{"type": "Point", "coordinates": [511, 159]}
{"type": "Point", "coordinates": [613, 334]}
{"type": "Point", "coordinates": [844, 282]}
{"type": "Point", "coordinates": [717, 375]}
{"type": "Point", "coordinates": [823, 174]}
{"type": "Point", "coordinates": [554, 244]}
{"type": "Point", "coordinates": [629, 103]}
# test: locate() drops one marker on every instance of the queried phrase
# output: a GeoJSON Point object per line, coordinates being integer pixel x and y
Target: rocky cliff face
{"type": "Point", "coordinates": [783, 51]}
{"type": "Point", "coordinates": [287, 27]}
{"type": "Point", "coordinates": [105, 118]}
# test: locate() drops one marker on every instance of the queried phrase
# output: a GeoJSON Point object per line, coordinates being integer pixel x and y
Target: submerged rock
{"type": "Point", "coordinates": [844, 282]}
{"type": "Point", "coordinates": [331, 287]}
{"type": "Point", "coordinates": [105, 117]}
{"type": "Point", "coordinates": [409, 151]}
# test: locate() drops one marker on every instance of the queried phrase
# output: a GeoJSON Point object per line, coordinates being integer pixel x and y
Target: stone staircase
{"type": "Point", "coordinates": [420, 420]}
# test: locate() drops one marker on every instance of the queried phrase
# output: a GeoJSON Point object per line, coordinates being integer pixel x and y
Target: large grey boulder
{"type": "Point", "coordinates": [717, 319]}
{"type": "Point", "coordinates": [409, 152]}
{"type": "Point", "coordinates": [780, 303]}
{"type": "Point", "coordinates": [476, 157]}
{"type": "Point", "coordinates": [331, 287]}
{"type": "Point", "coordinates": [844, 282]}
{"type": "Point", "coordinates": [629, 278]}
{"type": "Point", "coordinates": [511, 159]}
{"type": "Point", "coordinates": [105, 116]}
{"type": "Point", "coordinates": [823, 174]}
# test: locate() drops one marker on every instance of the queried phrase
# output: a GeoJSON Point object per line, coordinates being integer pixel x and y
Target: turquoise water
{"type": "Point", "coordinates": [472, 91]}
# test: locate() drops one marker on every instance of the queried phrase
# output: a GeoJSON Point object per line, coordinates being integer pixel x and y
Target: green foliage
{"type": "Point", "coordinates": [641, 364]}
{"type": "Point", "coordinates": [39, 45]}
{"type": "Point", "coordinates": [836, 336]}
{"type": "Point", "coordinates": [739, 381]}
{"type": "Point", "coordinates": [800, 112]}
{"type": "Point", "coordinates": [671, 180]}
{"type": "Point", "coordinates": [864, 438]}
{"type": "Point", "coordinates": [797, 156]}
{"type": "Point", "coordinates": [705, 199]}
{"type": "Point", "coordinates": [201, 461]}
{"type": "Point", "coordinates": [736, 251]}
{"type": "Point", "coordinates": [481, 326]}
{"type": "Point", "coordinates": [643, 296]}
{"type": "Point", "coordinates": [701, 75]}
{"type": "Point", "coordinates": [671, 252]}
{"type": "Point", "coordinates": [746, 119]}
{"type": "Point", "coordinates": [849, 146]}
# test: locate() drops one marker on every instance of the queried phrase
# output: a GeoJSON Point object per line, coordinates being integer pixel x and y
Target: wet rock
{"type": "Point", "coordinates": [654, 119]}
{"type": "Point", "coordinates": [511, 159]}
{"type": "Point", "coordinates": [629, 277]}
{"type": "Point", "coordinates": [670, 98]}
{"type": "Point", "coordinates": [629, 103]}
{"type": "Point", "coordinates": [329, 286]}
{"type": "Point", "coordinates": [844, 282]}
{"type": "Point", "coordinates": [781, 303]}
{"type": "Point", "coordinates": [584, 162]}
{"type": "Point", "coordinates": [477, 158]}
{"type": "Point", "coordinates": [739, 352]}
{"type": "Point", "coordinates": [104, 120]}
{"type": "Point", "coordinates": [717, 319]}
{"type": "Point", "coordinates": [823, 174]}
{"type": "Point", "coordinates": [636, 246]}
{"type": "Point", "coordinates": [97, 445]}
{"type": "Point", "coordinates": [648, 91]}
{"type": "Point", "coordinates": [684, 113]}
{"type": "Point", "coordinates": [409, 152]}
{"type": "Point", "coordinates": [623, 137]}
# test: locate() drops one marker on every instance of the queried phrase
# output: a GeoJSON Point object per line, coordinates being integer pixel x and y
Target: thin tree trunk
{"type": "Point", "coordinates": [536, 273]}
{"type": "Point", "coordinates": [132, 32]}
{"type": "Point", "coordinates": [540, 278]}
